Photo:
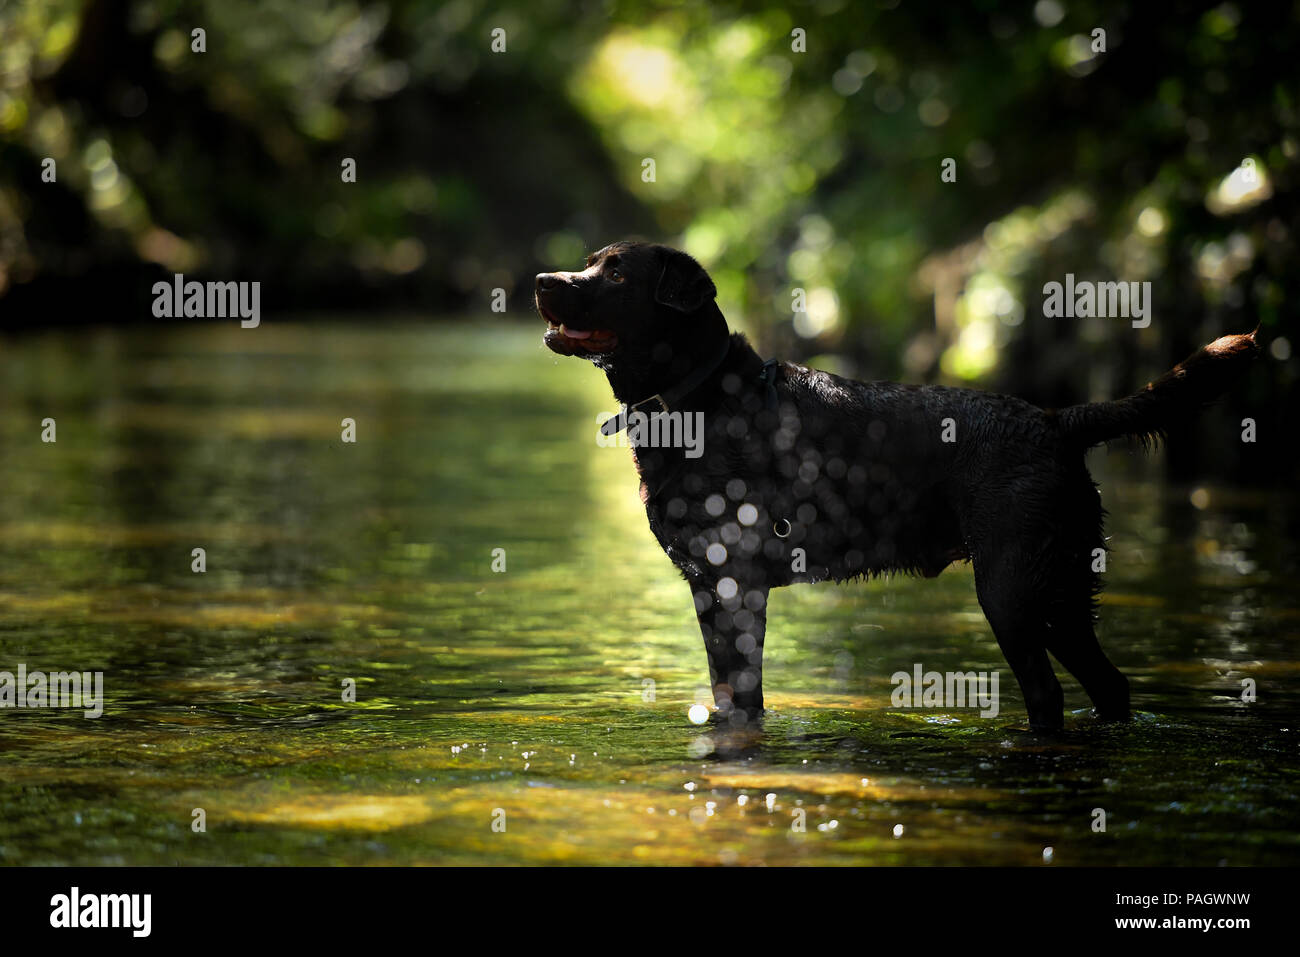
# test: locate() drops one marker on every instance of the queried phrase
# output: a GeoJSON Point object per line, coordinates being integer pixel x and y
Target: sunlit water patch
{"type": "Point", "coordinates": [541, 714]}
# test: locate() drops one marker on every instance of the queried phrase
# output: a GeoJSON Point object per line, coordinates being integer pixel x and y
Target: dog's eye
{"type": "Point", "coordinates": [615, 275]}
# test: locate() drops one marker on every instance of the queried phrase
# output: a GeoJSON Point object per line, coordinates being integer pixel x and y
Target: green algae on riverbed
{"type": "Point", "coordinates": [550, 699]}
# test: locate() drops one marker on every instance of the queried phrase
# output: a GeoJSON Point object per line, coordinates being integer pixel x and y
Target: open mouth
{"type": "Point", "coordinates": [560, 338]}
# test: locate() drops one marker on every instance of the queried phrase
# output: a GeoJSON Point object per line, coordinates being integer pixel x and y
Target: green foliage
{"type": "Point", "coordinates": [797, 145]}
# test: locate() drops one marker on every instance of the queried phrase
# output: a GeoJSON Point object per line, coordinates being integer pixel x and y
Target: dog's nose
{"type": "Point", "coordinates": [546, 280]}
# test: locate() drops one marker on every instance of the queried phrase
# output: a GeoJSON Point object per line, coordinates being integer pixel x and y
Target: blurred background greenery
{"type": "Point", "coordinates": [1169, 157]}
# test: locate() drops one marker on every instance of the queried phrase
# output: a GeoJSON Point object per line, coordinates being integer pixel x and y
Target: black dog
{"type": "Point", "coordinates": [806, 476]}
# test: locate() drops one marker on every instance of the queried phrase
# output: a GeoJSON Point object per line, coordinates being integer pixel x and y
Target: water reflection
{"type": "Point", "coordinates": [542, 714]}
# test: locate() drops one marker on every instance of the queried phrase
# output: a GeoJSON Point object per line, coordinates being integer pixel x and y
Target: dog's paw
{"type": "Point", "coordinates": [736, 718]}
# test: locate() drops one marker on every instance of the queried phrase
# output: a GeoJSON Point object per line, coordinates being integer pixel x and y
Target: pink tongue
{"type": "Point", "coordinates": [576, 333]}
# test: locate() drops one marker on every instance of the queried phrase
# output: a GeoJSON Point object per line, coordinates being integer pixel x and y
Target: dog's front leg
{"type": "Point", "coordinates": [733, 619]}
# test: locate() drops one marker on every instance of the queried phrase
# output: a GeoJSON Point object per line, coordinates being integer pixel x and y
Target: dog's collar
{"type": "Point", "coordinates": [668, 399]}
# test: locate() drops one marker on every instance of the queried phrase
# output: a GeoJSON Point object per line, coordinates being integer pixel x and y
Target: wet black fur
{"type": "Point", "coordinates": [862, 474]}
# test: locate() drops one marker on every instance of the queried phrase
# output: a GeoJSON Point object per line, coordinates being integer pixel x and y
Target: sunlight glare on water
{"type": "Point", "coordinates": [477, 690]}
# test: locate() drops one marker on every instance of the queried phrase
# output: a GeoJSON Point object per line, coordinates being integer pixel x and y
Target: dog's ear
{"type": "Point", "coordinates": [683, 285]}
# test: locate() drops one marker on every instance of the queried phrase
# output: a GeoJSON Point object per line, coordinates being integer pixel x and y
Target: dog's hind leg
{"type": "Point", "coordinates": [733, 626]}
{"type": "Point", "coordinates": [1074, 644]}
{"type": "Point", "coordinates": [1037, 595]}
{"type": "Point", "coordinates": [1070, 584]}
{"type": "Point", "coordinates": [1011, 603]}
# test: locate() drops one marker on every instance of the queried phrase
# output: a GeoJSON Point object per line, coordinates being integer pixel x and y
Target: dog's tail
{"type": "Point", "coordinates": [1196, 381]}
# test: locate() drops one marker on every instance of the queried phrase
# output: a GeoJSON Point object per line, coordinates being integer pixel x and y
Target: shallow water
{"type": "Point", "coordinates": [526, 690]}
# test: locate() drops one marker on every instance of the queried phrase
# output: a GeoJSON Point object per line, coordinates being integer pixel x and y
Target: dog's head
{"type": "Point", "coordinates": [635, 306]}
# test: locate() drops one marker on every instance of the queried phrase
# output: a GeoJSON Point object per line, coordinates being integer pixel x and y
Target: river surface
{"type": "Point", "coordinates": [536, 711]}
